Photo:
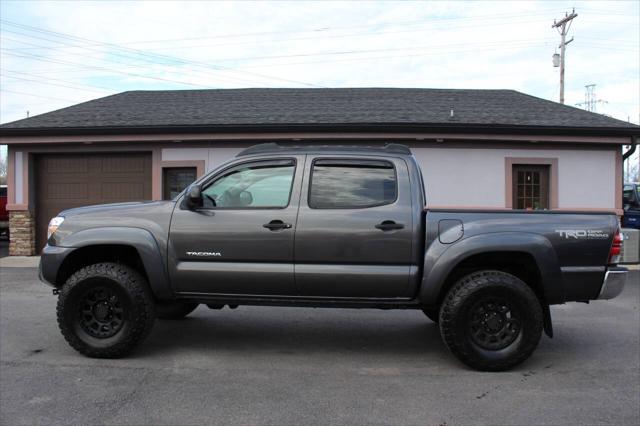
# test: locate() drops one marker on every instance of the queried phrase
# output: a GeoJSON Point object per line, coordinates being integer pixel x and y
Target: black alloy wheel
{"type": "Point", "coordinates": [494, 323]}
{"type": "Point", "coordinates": [100, 312]}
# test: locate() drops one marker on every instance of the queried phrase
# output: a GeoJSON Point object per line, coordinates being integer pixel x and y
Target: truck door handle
{"type": "Point", "coordinates": [276, 224]}
{"type": "Point", "coordinates": [389, 225]}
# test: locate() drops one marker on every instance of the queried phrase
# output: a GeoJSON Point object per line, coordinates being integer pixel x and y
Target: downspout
{"type": "Point", "coordinates": [632, 149]}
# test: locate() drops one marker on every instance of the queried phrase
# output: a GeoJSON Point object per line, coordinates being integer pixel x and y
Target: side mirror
{"type": "Point", "coordinates": [193, 198]}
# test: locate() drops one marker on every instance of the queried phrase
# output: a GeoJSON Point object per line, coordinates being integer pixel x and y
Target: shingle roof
{"type": "Point", "coordinates": [229, 108]}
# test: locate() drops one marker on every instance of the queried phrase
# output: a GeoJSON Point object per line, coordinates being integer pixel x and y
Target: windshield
{"type": "Point", "coordinates": [631, 195]}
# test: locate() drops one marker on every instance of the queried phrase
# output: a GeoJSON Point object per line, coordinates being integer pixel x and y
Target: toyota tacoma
{"type": "Point", "coordinates": [341, 227]}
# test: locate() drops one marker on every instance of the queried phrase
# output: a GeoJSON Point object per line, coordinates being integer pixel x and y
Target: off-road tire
{"type": "Point", "coordinates": [174, 309]}
{"type": "Point", "coordinates": [432, 314]}
{"type": "Point", "coordinates": [459, 319]}
{"type": "Point", "coordinates": [132, 296]}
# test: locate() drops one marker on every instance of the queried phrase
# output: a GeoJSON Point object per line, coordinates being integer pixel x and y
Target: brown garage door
{"type": "Point", "coordinates": [64, 181]}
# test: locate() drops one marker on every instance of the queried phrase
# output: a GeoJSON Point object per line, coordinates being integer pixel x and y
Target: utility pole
{"type": "Point", "coordinates": [563, 29]}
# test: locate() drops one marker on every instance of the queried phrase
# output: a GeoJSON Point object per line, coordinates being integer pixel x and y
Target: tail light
{"type": "Point", "coordinates": [616, 248]}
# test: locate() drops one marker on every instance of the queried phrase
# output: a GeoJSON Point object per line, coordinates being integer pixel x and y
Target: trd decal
{"type": "Point", "coordinates": [589, 234]}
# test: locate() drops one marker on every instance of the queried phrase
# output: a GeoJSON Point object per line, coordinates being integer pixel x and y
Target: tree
{"type": "Point", "coordinates": [3, 170]}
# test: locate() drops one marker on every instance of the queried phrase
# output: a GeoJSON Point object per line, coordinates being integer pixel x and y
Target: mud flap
{"type": "Point", "coordinates": [547, 325]}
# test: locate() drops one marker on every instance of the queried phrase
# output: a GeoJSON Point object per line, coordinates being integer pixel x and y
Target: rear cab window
{"type": "Point", "coordinates": [352, 184]}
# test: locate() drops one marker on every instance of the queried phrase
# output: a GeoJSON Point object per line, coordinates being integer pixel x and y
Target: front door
{"type": "Point", "coordinates": [241, 240]}
{"type": "Point", "coordinates": [354, 235]}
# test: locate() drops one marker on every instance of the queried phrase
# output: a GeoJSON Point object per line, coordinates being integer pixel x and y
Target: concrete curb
{"type": "Point", "coordinates": [19, 262]}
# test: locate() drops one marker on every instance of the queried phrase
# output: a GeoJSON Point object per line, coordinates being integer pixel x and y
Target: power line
{"type": "Point", "coordinates": [450, 52]}
{"type": "Point", "coordinates": [288, 39]}
{"type": "Point", "coordinates": [58, 61]}
{"type": "Point", "coordinates": [21, 73]}
{"type": "Point", "coordinates": [128, 57]}
{"type": "Point", "coordinates": [327, 29]}
{"type": "Point", "coordinates": [363, 51]}
{"type": "Point", "coordinates": [152, 55]}
{"type": "Point", "coordinates": [53, 84]}
{"type": "Point", "coordinates": [110, 60]}
{"type": "Point", "coordinates": [37, 96]}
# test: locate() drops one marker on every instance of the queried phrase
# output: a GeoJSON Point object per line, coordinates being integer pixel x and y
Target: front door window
{"type": "Point", "coordinates": [253, 185]}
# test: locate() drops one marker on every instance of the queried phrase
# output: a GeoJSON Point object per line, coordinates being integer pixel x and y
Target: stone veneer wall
{"type": "Point", "coordinates": [22, 225]}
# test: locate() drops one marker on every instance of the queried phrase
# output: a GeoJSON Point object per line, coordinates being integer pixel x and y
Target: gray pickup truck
{"type": "Point", "coordinates": [326, 227]}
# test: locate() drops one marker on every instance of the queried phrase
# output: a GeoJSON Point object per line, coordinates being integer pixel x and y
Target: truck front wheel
{"type": "Point", "coordinates": [104, 310]}
{"type": "Point", "coordinates": [491, 320]}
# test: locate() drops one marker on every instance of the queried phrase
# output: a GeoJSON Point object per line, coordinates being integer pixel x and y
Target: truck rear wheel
{"type": "Point", "coordinates": [174, 309]}
{"type": "Point", "coordinates": [105, 310]}
{"type": "Point", "coordinates": [491, 320]}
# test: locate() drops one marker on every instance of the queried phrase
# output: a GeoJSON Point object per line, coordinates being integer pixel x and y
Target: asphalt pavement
{"type": "Point", "coordinates": [286, 366]}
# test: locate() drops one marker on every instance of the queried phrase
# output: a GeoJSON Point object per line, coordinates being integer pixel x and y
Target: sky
{"type": "Point", "coordinates": [56, 54]}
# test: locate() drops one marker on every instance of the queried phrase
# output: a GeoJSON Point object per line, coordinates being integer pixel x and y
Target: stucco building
{"type": "Point", "coordinates": [497, 149]}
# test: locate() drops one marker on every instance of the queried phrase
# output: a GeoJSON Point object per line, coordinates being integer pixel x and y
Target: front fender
{"type": "Point", "coordinates": [141, 239]}
{"type": "Point", "coordinates": [441, 259]}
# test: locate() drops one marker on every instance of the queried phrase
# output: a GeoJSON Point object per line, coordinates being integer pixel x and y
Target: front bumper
{"type": "Point", "coordinates": [614, 280]}
{"type": "Point", "coordinates": [50, 261]}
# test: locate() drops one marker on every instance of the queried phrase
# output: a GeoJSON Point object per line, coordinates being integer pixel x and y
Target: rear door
{"type": "Point", "coordinates": [354, 233]}
{"type": "Point", "coordinates": [241, 241]}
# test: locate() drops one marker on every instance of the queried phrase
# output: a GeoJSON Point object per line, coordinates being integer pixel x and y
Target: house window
{"type": "Point", "coordinates": [175, 179]}
{"type": "Point", "coordinates": [530, 187]}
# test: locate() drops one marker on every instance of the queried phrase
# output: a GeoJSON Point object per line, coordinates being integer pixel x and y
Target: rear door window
{"type": "Point", "coordinates": [352, 184]}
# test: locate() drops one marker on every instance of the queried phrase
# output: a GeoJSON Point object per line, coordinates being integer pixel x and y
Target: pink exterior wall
{"type": "Point", "coordinates": [174, 147]}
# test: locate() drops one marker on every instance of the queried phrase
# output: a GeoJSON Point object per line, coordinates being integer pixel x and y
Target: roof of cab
{"type": "Point", "coordinates": [275, 148]}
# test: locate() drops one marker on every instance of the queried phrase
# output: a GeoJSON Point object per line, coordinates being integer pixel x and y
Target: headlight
{"type": "Point", "coordinates": [53, 225]}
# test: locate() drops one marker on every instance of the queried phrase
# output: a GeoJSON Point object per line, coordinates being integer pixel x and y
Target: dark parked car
{"type": "Point", "coordinates": [326, 227]}
{"type": "Point", "coordinates": [4, 214]}
{"type": "Point", "coordinates": [631, 201]}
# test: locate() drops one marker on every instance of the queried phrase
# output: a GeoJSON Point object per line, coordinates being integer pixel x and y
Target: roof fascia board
{"type": "Point", "coordinates": [328, 127]}
{"type": "Point", "coordinates": [315, 136]}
